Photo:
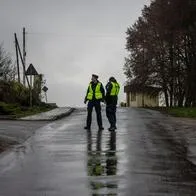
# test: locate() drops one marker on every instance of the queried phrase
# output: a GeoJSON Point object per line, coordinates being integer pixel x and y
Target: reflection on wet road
{"type": "Point", "coordinates": [102, 164]}
{"type": "Point", "coordinates": [147, 155]}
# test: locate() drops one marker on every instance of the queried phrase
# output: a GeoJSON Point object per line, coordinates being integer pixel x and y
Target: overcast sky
{"type": "Point", "coordinates": [68, 40]}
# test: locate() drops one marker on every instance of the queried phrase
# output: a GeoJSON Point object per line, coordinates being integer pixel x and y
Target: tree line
{"type": "Point", "coordinates": [12, 91]}
{"type": "Point", "coordinates": [162, 50]}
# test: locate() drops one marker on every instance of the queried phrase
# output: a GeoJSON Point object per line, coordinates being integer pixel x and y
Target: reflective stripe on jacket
{"type": "Point", "coordinates": [98, 93]}
{"type": "Point", "coordinates": [115, 89]}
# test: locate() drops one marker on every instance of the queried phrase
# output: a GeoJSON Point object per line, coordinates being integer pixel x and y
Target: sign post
{"type": "Point", "coordinates": [45, 89]}
{"type": "Point", "coordinates": [31, 71]}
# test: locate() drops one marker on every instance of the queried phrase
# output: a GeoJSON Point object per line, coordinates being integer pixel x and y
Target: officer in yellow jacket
{"type": "Point", "coordinates": [112, 90]}
{"type": "Point", "coordinates": [95, 94]}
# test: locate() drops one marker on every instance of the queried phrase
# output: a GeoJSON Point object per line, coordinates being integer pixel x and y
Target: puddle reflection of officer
{"type": "Point", "coordinates": [95, 165]}
{"type": "Point", "coordinates": [111, 161]}
{"type": "Point", "coordinates": [100, 163]}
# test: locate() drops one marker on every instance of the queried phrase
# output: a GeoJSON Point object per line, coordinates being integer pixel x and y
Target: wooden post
{"type": "Point", "coordinates": [46, 97]}
{"type": "Point", "coordinates": [17, 61]}
{"type": "Point", "coordinates": [31, 95]}
{"type": "Point", "coordinates": [22, 60]}
{"type": "Point", "coordinates": [24, 56]}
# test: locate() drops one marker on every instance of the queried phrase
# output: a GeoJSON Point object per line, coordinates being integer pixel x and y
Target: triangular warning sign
{"type": "Point", "coordinates": [44, 88]}
{"type": "Point", "coordinates": [31, 70]}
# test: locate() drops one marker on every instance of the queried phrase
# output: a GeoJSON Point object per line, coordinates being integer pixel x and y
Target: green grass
{"type": "Point", "coordinates": [17, 111]}
{"type": "Point", "coordinates": [182, 112]}
{"type": "Point", "coordinates": [177, 111]}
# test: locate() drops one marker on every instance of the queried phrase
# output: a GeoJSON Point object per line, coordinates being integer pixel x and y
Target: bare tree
{"type": "Point", "coordinates": [7, 69]}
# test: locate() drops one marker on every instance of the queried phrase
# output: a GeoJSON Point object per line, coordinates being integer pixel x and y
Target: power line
{"type": "Point", "coordinates": [73, 35]}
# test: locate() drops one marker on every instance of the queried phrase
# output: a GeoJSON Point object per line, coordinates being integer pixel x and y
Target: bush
{"type": "Point", "coordinates": [14, 92]}
{"type": "Point", "coordinates": [9, 109]}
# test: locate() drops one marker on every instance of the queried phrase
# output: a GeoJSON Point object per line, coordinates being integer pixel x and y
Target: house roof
{"type": "Point", "coordinates": [136, 87]}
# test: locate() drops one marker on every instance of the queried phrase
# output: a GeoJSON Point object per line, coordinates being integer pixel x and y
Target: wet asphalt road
{"type": "Point", "coordinates": [145, 156]}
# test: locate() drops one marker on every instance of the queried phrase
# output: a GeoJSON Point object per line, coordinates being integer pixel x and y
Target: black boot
{"type": "Point", "coordinates": [111, 129]}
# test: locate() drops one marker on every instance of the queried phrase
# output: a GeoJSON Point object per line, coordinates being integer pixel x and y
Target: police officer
{"type": "Point", "coordinates": [112, 90]}
{"type": "Point", "coordinates": [95, 94]}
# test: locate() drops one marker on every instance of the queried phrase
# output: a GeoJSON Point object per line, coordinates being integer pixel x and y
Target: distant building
{"type": "Point", "coordinates": [138, 95]}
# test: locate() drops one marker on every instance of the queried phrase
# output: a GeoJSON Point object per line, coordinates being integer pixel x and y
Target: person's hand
{"type": "Point", "coordinates": [85, 101]}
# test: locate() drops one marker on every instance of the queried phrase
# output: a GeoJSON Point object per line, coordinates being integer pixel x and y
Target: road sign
{"type": "Point", "coordinates": [45, 89]}
{"type": "Point", "coordinates": [31, 70]}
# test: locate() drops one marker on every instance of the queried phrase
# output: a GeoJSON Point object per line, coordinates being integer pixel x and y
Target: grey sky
{"type": "Point", "coordinates": [68, 40]}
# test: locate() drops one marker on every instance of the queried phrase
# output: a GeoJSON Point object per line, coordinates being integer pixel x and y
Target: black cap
{"type": "Point", "coordinates": [95, 76]}
{"type": "Point", "coordinates": [112, 79]}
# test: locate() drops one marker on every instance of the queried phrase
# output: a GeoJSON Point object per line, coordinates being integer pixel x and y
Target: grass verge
{"type": "Point", "coordinates": [17, 111]}
{"type": "Point", "coordinates": [182, 112]}
{"type": "Point", "coordinates": [178, 111]}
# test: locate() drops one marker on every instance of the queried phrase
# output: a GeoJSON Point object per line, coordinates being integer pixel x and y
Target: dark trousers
{"type": "Point", "coordinates": [111, 114]}
{"type": "Point", "coordinates": [97, 106]}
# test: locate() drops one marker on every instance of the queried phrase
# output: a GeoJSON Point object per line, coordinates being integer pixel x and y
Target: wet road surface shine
{"type": "Point", "coordinates": [141, 158]}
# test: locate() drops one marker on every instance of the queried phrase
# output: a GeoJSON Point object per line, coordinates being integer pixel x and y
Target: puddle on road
{"type": "Point", "coordinates": [102, 164]}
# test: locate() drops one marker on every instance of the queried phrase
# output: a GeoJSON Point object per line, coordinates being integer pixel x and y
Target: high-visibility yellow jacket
{"type": "Point", "coordinates": [98, 93]}
{"type": "Point", "coordinates": [115, 89]}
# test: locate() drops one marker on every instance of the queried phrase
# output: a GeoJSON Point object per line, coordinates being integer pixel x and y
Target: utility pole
{"type": "Point", "coordinates": [17, 61]}
{"type": "Point", "coordinates": [24, 56]}
{"type": "Point", "coordinates": [20, 54]}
